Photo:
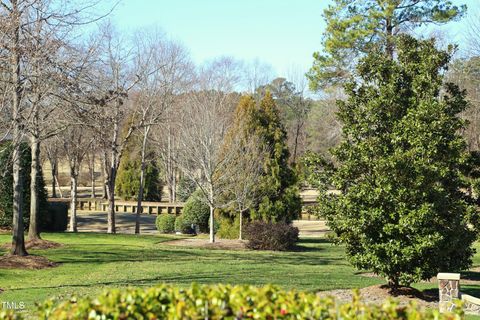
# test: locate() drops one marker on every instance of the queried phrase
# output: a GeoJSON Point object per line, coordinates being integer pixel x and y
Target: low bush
{"type": "Point", "coordinates": [165, 223]}
{"type": "Point", "coordinates": [227, 302]}
{"type": "Point", "coordinates": [182, 225]}
{"type": "Point", "coordinates": [263, 235]}
{"type": "Point", "coordinates": [197, 212]}
{"type": "Point", "coordinates": [56, 217]}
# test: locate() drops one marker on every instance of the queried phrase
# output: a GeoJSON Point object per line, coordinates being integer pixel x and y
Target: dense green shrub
{"type": "Point", "coordinates": [128, 180]}
{"type": "Point", "coordinates": [186, 187]}
{"type": "Point", "coordinates": [228, 228]}
{"type": "Point", "coordinates": [6, 187]}
{"type": "Point", "coordinates": [227, 302]}
{"type": "Point", "coordinates": [182, 225]}
{"type": "Point", "coordinates": [263, 235]}
{"type": "Point", "coordinates": [165, 223]}
{"type": "Point", "coordinates": [196, 211]}
{"type": "Point", "coordinates": [402, 212]}
{"type": "Point", "coordinates": [56, 217]}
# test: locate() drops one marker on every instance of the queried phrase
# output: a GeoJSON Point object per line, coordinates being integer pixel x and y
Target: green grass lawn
{"type": "Point", "coordinates": [91, 262]}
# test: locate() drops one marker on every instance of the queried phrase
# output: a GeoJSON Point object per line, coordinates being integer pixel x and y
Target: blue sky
{"type": "Point", "coordinates": [283, 33]}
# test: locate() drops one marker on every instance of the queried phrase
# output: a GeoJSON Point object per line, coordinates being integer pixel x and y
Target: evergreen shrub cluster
{"type": "Point", "coordinates": [225, 302]}
{"type": "Point", "coordinates": [165, 223]}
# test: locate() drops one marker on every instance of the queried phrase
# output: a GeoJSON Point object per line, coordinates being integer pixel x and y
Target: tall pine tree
{"type": "Point", "coordinates": [355, 26]}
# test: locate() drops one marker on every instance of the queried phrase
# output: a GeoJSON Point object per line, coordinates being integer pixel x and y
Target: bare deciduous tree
{"type": "Point", "coordinates": [76, 144]}
{"type": "Point", "coordinates": [165, 71]}
{"type": "Point", "coordinates": [246, 167]}
{"type": "Point", "coordinates": [30, 31]}
{"type": "Point", "coordinates": [206, 116]}
{"type": "Point", "coordinates": [110, 114]}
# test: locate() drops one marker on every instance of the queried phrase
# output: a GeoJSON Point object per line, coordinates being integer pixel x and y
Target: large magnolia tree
{"type": "Point", "coordinates": [402, 211]}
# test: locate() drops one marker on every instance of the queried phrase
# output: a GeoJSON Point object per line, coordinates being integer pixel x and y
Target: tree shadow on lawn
{"type": "Point", "coordinates": [207, 277]}
{"type": "Point", "coordinates": [310, 245]}
{"type": "Point", "coordinates": [121, 253]}
{"type": "Point", "coordinates": [470, 275]}
{"type": "Point", "coordinates": [471, 290]}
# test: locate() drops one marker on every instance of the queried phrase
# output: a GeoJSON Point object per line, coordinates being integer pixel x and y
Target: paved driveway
{"type": "Point", "coordinates": [125, 222]}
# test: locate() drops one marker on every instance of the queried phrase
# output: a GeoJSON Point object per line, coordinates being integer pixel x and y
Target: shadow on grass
{"type": "Point", "coordinates": [315, 241]}
{"type": "Point", "coordinates": [471, 290]}
{"type": "Point", "coordinates": [202, 277]}
{"type": "Point", "coordinates": [310, 245]}
{"type": "Point", "coordinates": [120, 254]}
{"type": "Point", "coordinates": [471, 275]}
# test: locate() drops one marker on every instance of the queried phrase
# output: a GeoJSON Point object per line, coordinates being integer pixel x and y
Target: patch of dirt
{"type": "Point", "coordinates": [27, 262]}
{"type": "Point", "coordinates": [377, 294]}
{"type": "Point", "coordinates": [36, 244]}
{"type": "Point", "coordinates": [42, 244]}
{"type": "Point", "coordinates": [224, 244]}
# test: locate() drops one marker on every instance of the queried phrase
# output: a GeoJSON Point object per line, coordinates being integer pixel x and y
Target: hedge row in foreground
{"type": "Point", "coordinates": [225, 302]}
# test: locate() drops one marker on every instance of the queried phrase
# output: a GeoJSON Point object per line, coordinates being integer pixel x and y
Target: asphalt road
{"type": "Point", "coordinates": [125, 222]}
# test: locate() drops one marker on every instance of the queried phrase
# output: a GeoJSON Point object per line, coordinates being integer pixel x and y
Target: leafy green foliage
{"type": "Point", "coordinates": [182, 225]}
{"type": "Point", "coordinates": [228, 228]}
{"type": "Point", "coordinates": [195, 211]}
{"type": "Point", "coordinates": [353, 27]}
{"type": "Point", "coordinates": [226, 302]}
{"type": "Point", "coordinates": [401, 210]}
{"type": "Point", "coordinates": [6, 187]}
{"type": "Point", "coordinates": [278, 236]}
{"type": "Point", "coordinates": [186, 187]}
{"type": "Point", "coordinates": [278, 184]}
{"type": "Point", "coordinates": [165, 223]}
{"type": "Point", "coordinates": [128, 180]}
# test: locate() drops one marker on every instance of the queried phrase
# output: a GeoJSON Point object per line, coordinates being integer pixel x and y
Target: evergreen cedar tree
{"type": "Point", "coordinates": [353, 27]}
{"type": "Point", "coordinates": [280, 201]}
{"type": "Point", "coordinates": [401, 211]}
{"type": "Point", "coordinates": [128, 180]}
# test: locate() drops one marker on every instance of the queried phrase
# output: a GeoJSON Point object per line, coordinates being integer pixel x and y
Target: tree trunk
{"type": "Point", "coordinates": [240, 230]}
{"type": "Point", "coordinates": [18, 240]}
{"type": "Point", "coordinates": [105, 177]}
{"type": "Point", "coordinates": [142, 180]}
{"type": "Point", "coordinates": [295, 145]}
{"type": "Point", "coordinates": [170, 175]}
{"type": "Point", "coordinates": [34, 229]}
{"type": "Point", "coordinates": [111, 202]}
{"type": "Point", "coordinates": [92, 175]}
{"type": "Point", "coordinates": [212, 225]}
{"type": "Point", "coordinates": [389, 38]}
{"type": "Point", "coordinates": [73, 201]}
{"type": "Point", "coordinates": [53, 166]}
{"type": "Point", "coordinates": [174, 186]}
{"type": "Point", "coordinates": [393, 282]}
{"type": "Point", "coordinates": [58, 185]}
{"type": "Point", "coordinates": [140, 198]}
